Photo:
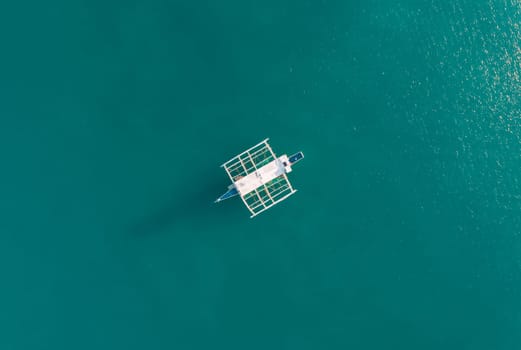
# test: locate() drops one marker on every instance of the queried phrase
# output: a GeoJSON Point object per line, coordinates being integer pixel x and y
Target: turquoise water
{"type": "Point", "coordinates": [405, 232]}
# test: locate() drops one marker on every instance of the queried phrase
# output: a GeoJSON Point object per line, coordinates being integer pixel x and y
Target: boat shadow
{"type": "Point", "coordinates": [193, 210]}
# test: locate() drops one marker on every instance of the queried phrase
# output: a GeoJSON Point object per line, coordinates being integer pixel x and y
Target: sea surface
{"type": "Point", "coordinates": [405, 232]}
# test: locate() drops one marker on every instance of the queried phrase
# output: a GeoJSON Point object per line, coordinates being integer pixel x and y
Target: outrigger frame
{"type": "Point", "coordinates": [263, 195]}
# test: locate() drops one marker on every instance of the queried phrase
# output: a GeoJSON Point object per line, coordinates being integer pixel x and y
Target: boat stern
{"type": "Point", "coordinates": [296, 157]}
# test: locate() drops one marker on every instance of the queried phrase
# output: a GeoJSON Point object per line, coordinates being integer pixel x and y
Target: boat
{"type": "Point", "coordinates": [259, 177]}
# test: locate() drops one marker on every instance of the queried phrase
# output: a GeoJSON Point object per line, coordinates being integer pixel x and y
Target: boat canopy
{"type": "Point", "coordinates": [260, 177]}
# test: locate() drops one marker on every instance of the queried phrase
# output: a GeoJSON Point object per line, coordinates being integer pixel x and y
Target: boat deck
{"type": "Point", "coordinates": [261, 176]}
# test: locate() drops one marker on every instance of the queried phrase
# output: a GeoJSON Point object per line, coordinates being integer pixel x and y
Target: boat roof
{"type": "Point", "coordinates": [260, 177]}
